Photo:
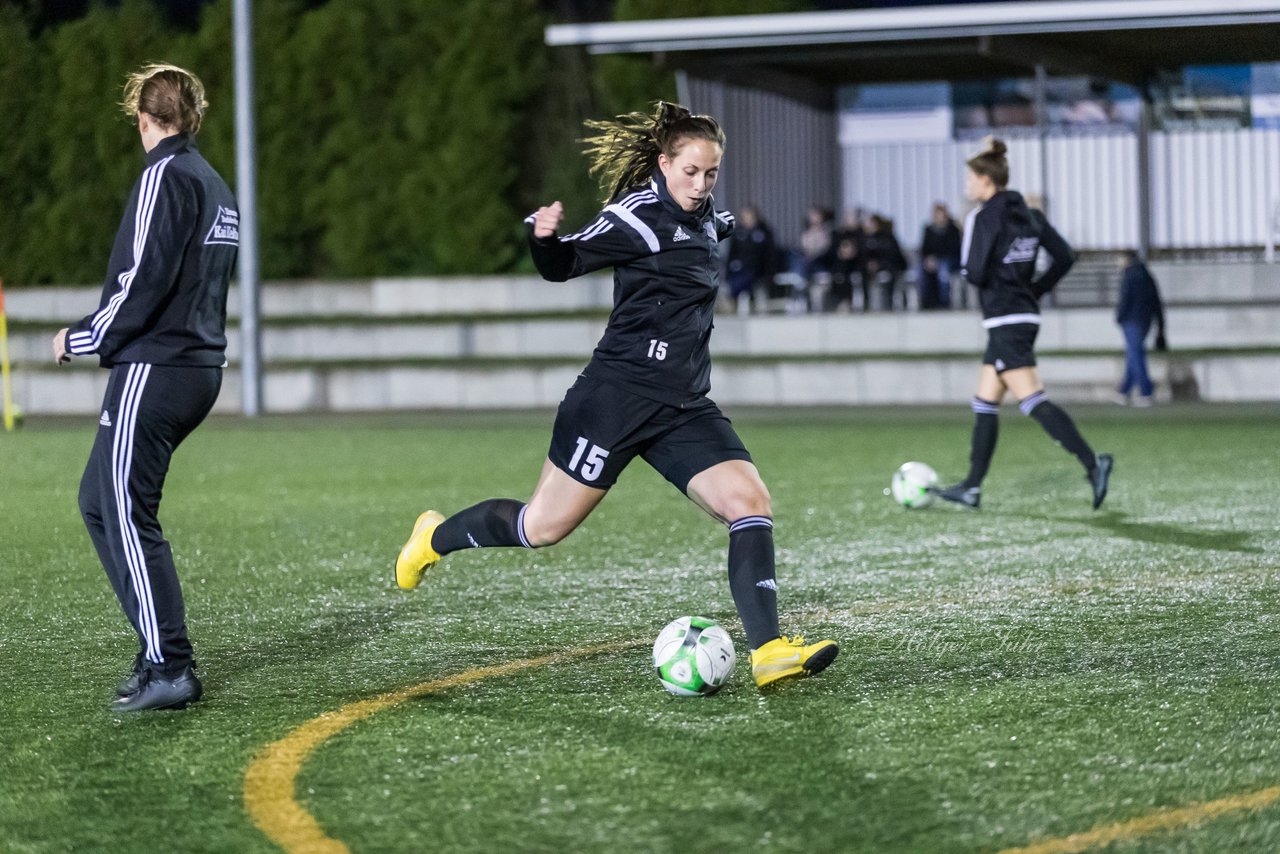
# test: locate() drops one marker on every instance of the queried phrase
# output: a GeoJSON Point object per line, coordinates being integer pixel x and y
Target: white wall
{"type": "Point", "coordinates": [1210, 189]}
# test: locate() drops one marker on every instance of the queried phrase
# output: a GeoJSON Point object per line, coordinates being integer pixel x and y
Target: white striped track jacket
{"type": "Point", "coordinates": [165, 297]}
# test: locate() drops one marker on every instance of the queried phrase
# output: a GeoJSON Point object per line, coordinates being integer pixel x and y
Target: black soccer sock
{"type": "Point", "coordinates": [751, 578]}
{"type": "Point", "coordinates": [496, 522]}
{"type": "Point", "coordinates": [1058, 424]}
{"type": "Point", "coordinates": [986, 428]}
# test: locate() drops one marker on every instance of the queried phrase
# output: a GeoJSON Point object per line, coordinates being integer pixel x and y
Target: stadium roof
{"type": "Point", "coordinates": [806, 54]}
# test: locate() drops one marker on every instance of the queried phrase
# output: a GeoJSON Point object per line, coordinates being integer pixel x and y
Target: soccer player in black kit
{"type": "Point", "coordinates": [644, 392]}
{"type": "Point", "coordinates": [161, 330]}
{"type": "Point", "coordinates": [1002, 237]}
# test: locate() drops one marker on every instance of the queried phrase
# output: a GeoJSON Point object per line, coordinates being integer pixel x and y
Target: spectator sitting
{"type": "Point", "coordinates": [939, 257]}
{"type": "Point", "coordinates": [811, 262]}
{"type": "Point", "coordinates": [846, 274]}
{"type": "Point", "coordinates": [751, 260]}
{"type": "Point", "coordinates": [884, 261]}
{"type": "Point", "coordinates": [851, 227]}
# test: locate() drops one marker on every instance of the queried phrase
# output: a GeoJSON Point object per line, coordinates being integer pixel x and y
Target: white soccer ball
{"type": "Point", "coordinates": [693, 656]}
{"type": "Point", "coordinates": [911, 484]}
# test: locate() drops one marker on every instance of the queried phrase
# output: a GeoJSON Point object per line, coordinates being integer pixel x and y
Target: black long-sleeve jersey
{"type": "Point", "coordinates": [1001, 240]}
{"type": "Point", "coordinates": [165, 297]}
{"type": "Point", "coordinates": [665, 281]}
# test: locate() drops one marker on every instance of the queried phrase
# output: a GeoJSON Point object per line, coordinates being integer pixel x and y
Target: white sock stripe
{"type": "Point", "coordinates": [750, 522]}
{"type": "Point", "coordinates": [122, 464]}
{"type": "Point", "coordinates": [524, 541]}
{"type": "Point", "coordinates": [986, 407]}
{"type": "Point", "coordinates": [1031, 402]}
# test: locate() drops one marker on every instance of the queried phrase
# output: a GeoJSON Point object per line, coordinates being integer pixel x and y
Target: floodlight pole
{"type": "Point", "coordinates": [247, 198]}
{"type": "Point", "coordinates": [1042, 131]}
{"type": "Point", "coordinates": [1144, 172]}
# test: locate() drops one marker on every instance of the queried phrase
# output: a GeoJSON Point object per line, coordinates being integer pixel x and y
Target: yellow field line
{"type": "Point", "coordinates": [269, 781]}
{"type": "Point", "coordinates": [1188, 816]}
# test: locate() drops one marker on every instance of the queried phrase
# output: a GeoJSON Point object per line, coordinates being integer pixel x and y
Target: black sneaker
{"type": "Point", "coordinates": [1099, 476]}
{"type": "Point", "coordinates": [133, 681]}
{"type": "Point", "coordinates": [157, 692]}
{"type": "Point", "coordinates": [969, 496]}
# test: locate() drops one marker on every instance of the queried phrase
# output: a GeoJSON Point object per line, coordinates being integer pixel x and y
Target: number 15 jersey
{"type": "Point", "coordinates": [665, 281]}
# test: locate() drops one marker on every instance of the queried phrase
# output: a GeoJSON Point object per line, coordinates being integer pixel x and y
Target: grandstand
{"type": "Point", "coordinates": [517, 342]}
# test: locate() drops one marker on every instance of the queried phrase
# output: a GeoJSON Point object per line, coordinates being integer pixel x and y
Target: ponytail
{"type": "Point", "coordinates": [172, 95]}
{"type": "Point", "coordinates": [624, 150]}
{"type": "Point", "coordinates": [991, 162]}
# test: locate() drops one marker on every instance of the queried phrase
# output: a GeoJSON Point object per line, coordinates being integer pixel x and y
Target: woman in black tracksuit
{"type": "Point", "coordinates": [161, 330]}
{"type": "Point", "coordinates": [644, 393]}
{"type": "Point", "coordinates": [1002, 237]}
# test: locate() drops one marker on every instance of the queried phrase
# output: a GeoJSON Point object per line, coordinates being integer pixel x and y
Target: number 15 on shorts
{"type": "Point", "coordinates": [593, 465]}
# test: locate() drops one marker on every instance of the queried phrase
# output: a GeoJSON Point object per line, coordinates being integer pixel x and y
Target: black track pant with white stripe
{"type": "Point", "coordinates": [147, 411]}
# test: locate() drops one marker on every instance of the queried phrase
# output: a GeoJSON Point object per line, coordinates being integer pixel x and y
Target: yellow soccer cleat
{"type": "Point", "coordinates": [783, 658]}
{"type": "Point", "coordinates": [417, 556]}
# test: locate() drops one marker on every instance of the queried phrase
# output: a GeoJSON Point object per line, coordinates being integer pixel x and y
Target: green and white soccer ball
{"type": "Point", "coordinates": [911, 485]}
{"type": "Point", "coordinates": [693, 656]}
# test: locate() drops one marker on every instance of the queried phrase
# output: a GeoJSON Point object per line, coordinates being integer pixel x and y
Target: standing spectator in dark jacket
{"type": "Point", "coordinates": [939, 258]}
{"type": "Point", "coordinates": [161, 329]}
{"type": "Point", "coordinates": [751, 258]}
{"type": "Point", "coordinates": [883, 261]}
{"type": "Point", "coordinates": [1139, 306]}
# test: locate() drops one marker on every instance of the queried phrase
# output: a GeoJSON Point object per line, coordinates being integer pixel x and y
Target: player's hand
{"type": "Point", "coordinates": [1161, 344]}
{"type": "Point", "coordinates": [547, 220]}
{"type": "Point", "coordinates": [60, 354]}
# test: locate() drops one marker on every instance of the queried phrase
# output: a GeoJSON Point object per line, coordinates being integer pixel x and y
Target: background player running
{"type": "Point", "coordinates": [1002, 237]}
{"type": "Point", "coordinates": [644, 393]}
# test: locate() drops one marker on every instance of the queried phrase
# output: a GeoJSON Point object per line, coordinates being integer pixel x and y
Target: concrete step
{"type": "Point", "coordinates": [385, 298]}
{"type": "Point", "coordinates": [772, 382]}
{"type": "Point", "coordinates": [931, 333]}
{"type": "Point", "coordinates": [1181, 282]}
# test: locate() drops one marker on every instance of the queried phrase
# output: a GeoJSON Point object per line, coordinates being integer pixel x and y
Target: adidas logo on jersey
{"type": "Point", "coordinates": [105, 419]}
{"type": "Point", "coordinates": [680, 234]}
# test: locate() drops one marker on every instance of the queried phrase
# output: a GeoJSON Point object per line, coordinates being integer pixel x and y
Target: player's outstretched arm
{"type": "Point", "coordinates": [608, 241]}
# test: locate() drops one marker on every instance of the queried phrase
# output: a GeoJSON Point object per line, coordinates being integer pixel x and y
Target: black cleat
{"type": "Point", "coordinates": [157, 692]}
{"type": "Point", "coordinates": [133, 681]}
{"type": "Point", "coordinates": [1099, 476]}
{"type": "Point", "coordinates": [969, 496]}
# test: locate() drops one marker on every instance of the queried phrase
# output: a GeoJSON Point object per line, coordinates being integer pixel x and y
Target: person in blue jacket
{"type": "Point", "coordinates": [1139, 307]}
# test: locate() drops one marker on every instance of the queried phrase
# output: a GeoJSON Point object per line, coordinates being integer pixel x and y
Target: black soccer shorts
{"type": "Point", "coordinates": [600, 428]}
{"type": "Point", "coordinates": [1012, 346]}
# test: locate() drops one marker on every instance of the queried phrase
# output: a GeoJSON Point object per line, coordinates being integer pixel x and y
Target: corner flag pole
{"type": "Point", "coordinates": [4, 364]}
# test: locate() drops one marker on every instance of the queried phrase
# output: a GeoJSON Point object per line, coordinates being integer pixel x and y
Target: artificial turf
{"type": "Point", "coordinates": [1024, 672]}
